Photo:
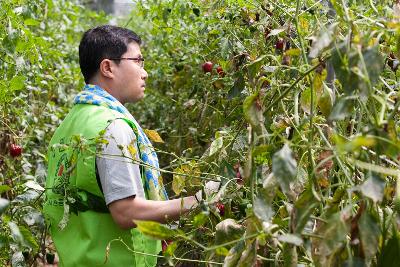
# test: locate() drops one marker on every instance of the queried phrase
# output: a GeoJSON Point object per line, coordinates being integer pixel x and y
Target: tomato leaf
{"type": "Point", "coordinates": [157, 230]}
{"type": "Point", "coordinates": [284, 167]}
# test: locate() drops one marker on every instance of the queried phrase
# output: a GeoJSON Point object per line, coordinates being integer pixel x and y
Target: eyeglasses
{"type": "Point", "coordinates": [139, 60]}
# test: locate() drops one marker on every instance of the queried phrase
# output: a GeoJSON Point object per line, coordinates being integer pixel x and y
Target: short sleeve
{"type": "Point", "coordinates": [119, 174]}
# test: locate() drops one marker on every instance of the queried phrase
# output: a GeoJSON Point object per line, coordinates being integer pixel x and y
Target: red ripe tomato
{"type": "Point", "coordinates": [279, 45]}
{"type": "Point", "coordinates": [207, 66]}
{"type": "Point", "coordinates": [221, 208]}
{"type": "Point", "coordinates": [15, 150]}
{"type": "Point", "coordinates": [220, 71]}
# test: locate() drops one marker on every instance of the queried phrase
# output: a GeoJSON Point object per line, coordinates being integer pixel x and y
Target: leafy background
{"type": "Point", "coordinates": [301, 127]}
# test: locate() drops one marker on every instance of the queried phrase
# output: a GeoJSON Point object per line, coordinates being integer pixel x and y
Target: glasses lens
{"type": "Point", "coordinates": [141, 62]}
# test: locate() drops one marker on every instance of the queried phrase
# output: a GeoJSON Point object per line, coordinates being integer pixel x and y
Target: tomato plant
{"type": "Point", "coordinates": [40, 75]}
{"type": "Point", "coordinates": [302, 129]}
{"type": "Point", "coordinates": [296, 113]}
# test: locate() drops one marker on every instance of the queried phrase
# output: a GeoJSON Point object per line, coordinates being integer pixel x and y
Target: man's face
{"type": "Point", "coordinates": [130, 76]}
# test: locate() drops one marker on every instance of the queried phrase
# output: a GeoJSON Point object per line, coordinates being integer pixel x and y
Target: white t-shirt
{"type": "Point", "coordinates": [119, 176]}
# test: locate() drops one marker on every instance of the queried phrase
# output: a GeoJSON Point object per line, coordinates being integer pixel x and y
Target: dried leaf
{"type": "Point", "coordinates": [153, 136]}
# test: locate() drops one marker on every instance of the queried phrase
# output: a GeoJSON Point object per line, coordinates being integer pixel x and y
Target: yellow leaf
{"type": "Point", "coordinates": [153, 136]}
{"type": "Point", "coordinates": [319, 78]}
{"type": "Point", "coordinates": [132, 150]}
{"type": "Point", "coordinates": [303, 24]}
{"type": "Point", "coordinates": [293, 52]}
{"type": "Point", "coordinates": [178, 183]}
{"type": "Point", "coordinates": [188, 181]}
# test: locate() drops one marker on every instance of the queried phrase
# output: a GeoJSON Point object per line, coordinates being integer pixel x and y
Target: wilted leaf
{"type": "Point", "coordinates": [228, 230]}
{"type": "Point", "coordinates": [216, 145]}
{"type": "Point", "coordinates": [374, 66]}
{"type": "Point", "coordinates": [291, 239]}
{"type": "Point", "coordinates": [3, 204]}
{"type": "Point", "coordinates": [343, 62]}
{"type": "Point", "coordinates": [322, 41]}
{"type": "Point", "coordinates": [284, 167]}
{"type": "Point", "coordinates": [234, 254]}
{"type": "Point", "coordinates": [18, 259]}
{"type": "Point", "coordinates": [253, 112]}
{"type": "Point", "coordinates": [276, 31]}
{"type": "Point", "coordinates": [255, 66]}
{"type": "Point", "coordinates": [29, 195]}
{"type": "Point", "coordinates": [341, 109]}
{"type": "Point", "coordinates": [249, 255]}
{"type": "Point", "coordinates": [237, 87]}
{"type": "Point", "coordinates": [15, 232]}
{"type": "Point", "coordinates": [373, 187]}
{"type": "Point", "coordinates": [304, 207]}
{"type": "Point", "coordinates": [262, 209]}
{"type": "Point", "coordinates": [369, 233]}
{"type": "Point", "coordinates": [153, 136]}
{"type": "Point", "coordinates": [157, 230]}
{"type": "Point", "coordinates": [34, 185]}
{"type": "Point", "coordinates": [333, 233]}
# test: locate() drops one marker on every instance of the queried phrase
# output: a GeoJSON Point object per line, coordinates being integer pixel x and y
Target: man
{"type": "Point", "coordinates": [95, 189]}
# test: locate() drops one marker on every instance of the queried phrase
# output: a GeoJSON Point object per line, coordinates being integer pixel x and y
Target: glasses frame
{"type": "Point", "coordinates": [139, 60]}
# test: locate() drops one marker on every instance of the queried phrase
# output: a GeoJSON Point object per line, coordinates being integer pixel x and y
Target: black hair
{"type": "Point", "coordinates": [102, 42]}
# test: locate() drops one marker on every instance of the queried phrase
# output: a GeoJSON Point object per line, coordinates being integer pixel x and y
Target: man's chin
{"type": "Point", "coordinates": [137, 98]}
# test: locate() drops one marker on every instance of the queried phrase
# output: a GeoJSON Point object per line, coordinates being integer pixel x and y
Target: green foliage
{"type": "Point", "coordinates": [301, 125]}
{"type": "Point", "coordinates": [304, 135]}
{"type": "Point", "coordinates": [40, 74]}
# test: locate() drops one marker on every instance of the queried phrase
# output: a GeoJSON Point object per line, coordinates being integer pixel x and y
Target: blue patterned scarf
{"type": "Point", "coordinates": [95, 95]}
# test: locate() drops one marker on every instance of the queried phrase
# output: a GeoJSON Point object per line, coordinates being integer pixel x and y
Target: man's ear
{"type": "Point", "coordinates": [106, 68]}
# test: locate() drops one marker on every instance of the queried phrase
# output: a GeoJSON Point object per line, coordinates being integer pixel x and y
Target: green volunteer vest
{"type": "Point", "coordinates": [72, 177]}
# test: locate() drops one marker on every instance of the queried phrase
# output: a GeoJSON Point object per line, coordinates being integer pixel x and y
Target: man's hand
{"type": "Point", "coordinates": [124, 211]}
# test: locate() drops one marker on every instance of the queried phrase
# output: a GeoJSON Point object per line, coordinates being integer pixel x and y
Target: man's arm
{"type": "Point", "coordinates": [124, 211]}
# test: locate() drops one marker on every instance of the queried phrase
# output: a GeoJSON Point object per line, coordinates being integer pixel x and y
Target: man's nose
{"type": "Point", "coordinates": [144, 74]}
